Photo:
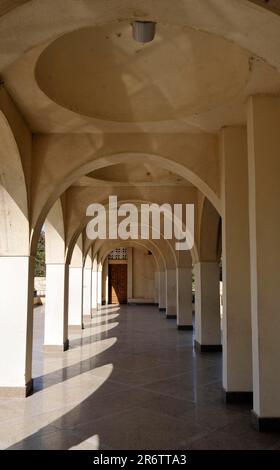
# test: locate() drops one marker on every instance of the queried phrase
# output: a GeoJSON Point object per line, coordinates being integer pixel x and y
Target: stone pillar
{"type": "Point", "coordinates": [105, 273]}
{"type": "Point", "coordinates": [264, 208]}
{"type": "Point", "coordinates": [184, 298]}
{"type": "Point", "coordinates": [87, 282]}
{"type": "Point", "coordinates": [56, 309]}
{"type": "Point", "coordinates": [16, 325]}
{"type": "Point", "coordinates": [162, 290]}
{"type": "Point", "coordinates": [171, 293]}
{"type": "Point", "coordinates": [207, 307]}
{"type": "Point", "coordinates": [236, 325]}
{"type": "Point", "coordinates": [99, 288]}
{"type": "Point", "coordinates": [94, 290]}
{"type": "Point", "coordinates": [75, 310]}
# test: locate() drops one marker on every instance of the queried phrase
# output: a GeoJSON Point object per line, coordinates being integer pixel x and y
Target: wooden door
{"type": "Point", "coordinates": [117, 283]}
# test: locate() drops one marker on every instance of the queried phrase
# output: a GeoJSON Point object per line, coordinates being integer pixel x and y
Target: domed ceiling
{"type": "Point", "coordinates": [97, 79]}
{"type": "Point", "coordinates": [103, 73]}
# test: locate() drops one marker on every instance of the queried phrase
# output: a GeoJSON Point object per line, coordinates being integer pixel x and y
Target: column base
{"type": "Point", "coordinates": [171, 316]}
{"type": "Point", "coordinates": [171, 311]}
{"type": "Point", "coordinates": [162, 309]}
{"type": "Point", "coordinates": [56, 347]}
{"type": "Point", "coordinates": [185, 327]}
{"type": "Point", "coordinates": [17, 392]}
{"type": "Point", "coordinates": [204, 348]}
{"type": "Point", "coordinates": [76, 328]}
{"type": "Point", "coordinates": [237, 397]}
{"type": "Point", "coordinates": [265, 424]}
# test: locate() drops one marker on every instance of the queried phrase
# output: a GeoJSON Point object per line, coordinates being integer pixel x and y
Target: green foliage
{"type": "Point", "coordinates": [40, 267]}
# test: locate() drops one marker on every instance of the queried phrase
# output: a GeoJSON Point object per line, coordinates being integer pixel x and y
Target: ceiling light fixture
{"type": "Point", "coordinates": [143, 31]}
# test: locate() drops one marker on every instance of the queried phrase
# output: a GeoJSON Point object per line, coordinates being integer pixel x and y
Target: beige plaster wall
{"type": "Point", "coordinates": [143, 277]}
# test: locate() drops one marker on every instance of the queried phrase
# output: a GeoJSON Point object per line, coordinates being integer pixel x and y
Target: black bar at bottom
{"type": "Point", "coordinates": [127, 459]}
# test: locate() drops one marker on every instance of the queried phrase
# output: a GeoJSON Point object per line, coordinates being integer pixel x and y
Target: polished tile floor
{"type": "Point", "coordinates": [130, 380]}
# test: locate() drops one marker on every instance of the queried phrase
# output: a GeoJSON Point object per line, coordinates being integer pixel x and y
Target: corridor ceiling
{"type": "Point", "coordinates": [98, 79]}
{"type": "Point", "coordinates": [137, 173]}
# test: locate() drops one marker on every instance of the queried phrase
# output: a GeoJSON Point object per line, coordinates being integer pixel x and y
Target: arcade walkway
{"type": "Point", "coordinates": [130, 380]}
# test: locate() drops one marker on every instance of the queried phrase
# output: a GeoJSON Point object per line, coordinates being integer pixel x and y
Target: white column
{"type": "Point", "coordinates": [87, 282]}
{"type": "Point", "coordinates": [184, 298]}
{"type": "Point", "coordinates": [105, 281]}
{"type": "Point", "coordinates": [94, 290]}
{"type": "Point", "coordinates": [207, 307]}
{"type": "Point", "coordinates": [237, 341]}
{"type": "Point", "coordinates": [16, 325]}
{"type": "Point", "coordinates": [162, 290]}
{"type": "Point", "coordinates": [56, 309]}
{"type": "Point", "coordinates": [99, 289]}
{"type": "Point", "coordinates": [75, 310]}
{"type": "Point", "coordinates": [171, 293]}
{"type": "Point", "coordinates": [264, 197]}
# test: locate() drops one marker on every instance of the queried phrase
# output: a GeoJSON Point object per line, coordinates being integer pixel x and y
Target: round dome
{"type": "Point", "coordinates": [103, 73]}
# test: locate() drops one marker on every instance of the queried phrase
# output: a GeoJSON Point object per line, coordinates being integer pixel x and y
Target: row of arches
{"type": "Point", "coordinates": [17, 263]}
{"type": "Point", "coordinates": [66, 221]}
{"type": "Point", "coordinates": [229, 167]}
